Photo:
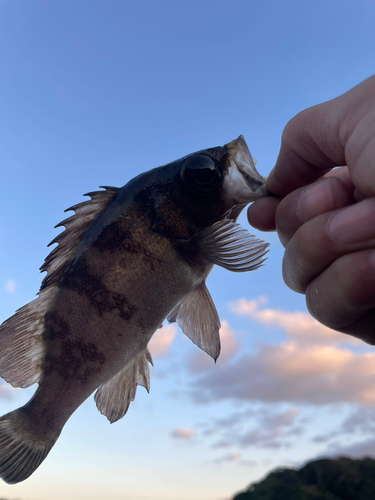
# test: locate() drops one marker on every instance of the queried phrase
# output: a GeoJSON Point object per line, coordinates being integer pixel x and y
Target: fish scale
{"type": "Point", "coordinates": [128, 259]}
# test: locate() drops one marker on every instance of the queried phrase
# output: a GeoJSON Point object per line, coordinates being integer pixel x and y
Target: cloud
{"type": "Point", "coordinates": [161, 341]}
{"type": "Point", "coordinates": [234, 418]}
{"type": "Point", "coordinates": [183, 433]}
{"type": "Point", "coordinates": [282, 419]}
{"type": "Point", "coordinates": [271, 430]}
{"type": "Point", "coordinates": [362, 419]}
{"type": "Point", "coordinates": [10, 286]}
{"type": "Point", "coordinates": [199, 361]}
{"type": "Point", "coordinates": [229, 457]}
{"type": "Point", "coordinates": [310, 366]}
{"type": "Point", "coordinates": [359, 449]}
{"type": "Point", "coordinates": [360, 422]}
{"type": "Point", "coordinates": [265, 438]}
{"type": "Point", "coordinates": [288, 372]}
{"type": "Point", "coordinates": [266, 416]}
{"type": "Point", "coordinates": [313, 365]}
{"type": "Point", "coordinates": [298, 326]}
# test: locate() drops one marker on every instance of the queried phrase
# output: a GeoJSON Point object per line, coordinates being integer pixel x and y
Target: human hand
{"type": "Point", "coordinates": [326, 218]}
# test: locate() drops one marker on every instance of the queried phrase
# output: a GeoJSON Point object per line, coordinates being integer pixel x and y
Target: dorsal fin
{"type": "Point", "coordinates": [69, 240]}
{"type": "Point", "coordinates": [21, 345]}
{"type": "Point", "coordinates": [114, 396]}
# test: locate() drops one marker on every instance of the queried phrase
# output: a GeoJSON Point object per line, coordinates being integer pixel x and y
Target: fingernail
{"type": "Point", "coordinates": [355, 223]}
{"type": "Point", "coordinates": [315, 200]}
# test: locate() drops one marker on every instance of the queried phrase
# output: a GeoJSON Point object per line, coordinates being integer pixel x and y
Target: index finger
{"type": "Point", "coordinates": [337, 132]}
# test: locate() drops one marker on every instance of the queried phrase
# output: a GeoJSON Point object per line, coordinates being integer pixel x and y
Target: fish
{"type": "Point", "coordinates": [128, 259]}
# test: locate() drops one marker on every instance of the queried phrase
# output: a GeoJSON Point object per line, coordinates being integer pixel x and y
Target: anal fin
{"type": "Point", "coordinates": [114, 397]}
{"type": "Point", "coordinates": [197, 317]}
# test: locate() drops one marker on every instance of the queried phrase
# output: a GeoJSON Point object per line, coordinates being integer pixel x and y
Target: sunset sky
{"type": "Point", "coordinates": [92, 93]}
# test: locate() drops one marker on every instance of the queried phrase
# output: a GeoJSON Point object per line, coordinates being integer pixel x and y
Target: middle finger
{"type": "Point", "coordinates": [323, 239]}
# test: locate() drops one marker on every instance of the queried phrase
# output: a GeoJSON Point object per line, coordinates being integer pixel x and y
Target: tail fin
{"type": "Point", "coordinates": [21, 451]}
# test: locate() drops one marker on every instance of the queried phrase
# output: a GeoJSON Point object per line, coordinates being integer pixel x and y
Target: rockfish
{"type": "Point", "coordinates": [128, 258]}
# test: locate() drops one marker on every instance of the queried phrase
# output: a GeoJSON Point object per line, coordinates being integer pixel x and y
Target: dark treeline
{"type": "Point", "coordinates": [340, 479]}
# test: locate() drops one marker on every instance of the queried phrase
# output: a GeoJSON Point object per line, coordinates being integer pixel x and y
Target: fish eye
{"type": "Point", "coordinates": [201, 174]}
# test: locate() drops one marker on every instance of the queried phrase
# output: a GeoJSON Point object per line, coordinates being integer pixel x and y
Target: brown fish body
{"type": "Point", "coordinates": [103, 316]}
{"type": "Point", "coordinates": [128, 259]}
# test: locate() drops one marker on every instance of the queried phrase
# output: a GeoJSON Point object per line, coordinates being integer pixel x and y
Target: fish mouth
{"type": "Point", "coordinates": [242, 182]}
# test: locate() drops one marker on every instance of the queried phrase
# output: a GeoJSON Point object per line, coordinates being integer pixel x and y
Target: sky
{"type": "Point", "coordinates": [93, 93]}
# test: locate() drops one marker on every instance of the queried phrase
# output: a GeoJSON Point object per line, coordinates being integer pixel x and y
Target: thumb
{"type": "Point", "coordinates": [334, 133]}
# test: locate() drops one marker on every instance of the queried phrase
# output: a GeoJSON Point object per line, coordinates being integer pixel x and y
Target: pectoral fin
{"type": "Point", "coordinates": [114, 397]}
{"type": "Point", "coordinates": [197, 317]}
{"type": "Point", "coordinates": [226, 244]}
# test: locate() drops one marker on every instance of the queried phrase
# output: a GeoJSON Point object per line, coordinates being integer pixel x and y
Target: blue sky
{"type": "Point", "coordinates": [93, 93]}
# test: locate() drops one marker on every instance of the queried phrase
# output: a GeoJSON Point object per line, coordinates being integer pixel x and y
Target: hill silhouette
{"type": "Point", "coordinates": [339, 479]}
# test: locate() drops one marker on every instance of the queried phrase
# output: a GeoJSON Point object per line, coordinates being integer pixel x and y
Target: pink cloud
{"type": "Point", "coordinates": [183, 433]}
{"type": "Point", "coordinates": [311, 366]}
{"type": "Point", "coordinates": [161, 341]}
{"type": "Point", "coordinates": [199, 361]}
{"type": "Point", "coordinates": [298, 326]}
{"type": "Point", "coordinates": [288, 372]}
